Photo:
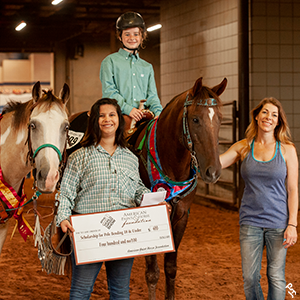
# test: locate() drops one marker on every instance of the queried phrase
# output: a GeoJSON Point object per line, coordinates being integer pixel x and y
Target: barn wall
{"type": "Point", "coordinates": [18, 74]}
{"type": "Point", "coordinates": [41, 65]}
{"type": "Point", "coordinates": [198, 38]}
{"type": "Point", "coordinates": [60, 70]}
{"type": "Point", "coordinates": [275, 57]}
{"type": "Point", "coordinates": [84, 76]}
{"type": "Point", "coordinates": [16, 71]}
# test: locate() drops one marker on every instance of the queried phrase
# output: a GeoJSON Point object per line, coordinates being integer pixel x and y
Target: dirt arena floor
{"type": "Point", "coordinates": [209, 264]}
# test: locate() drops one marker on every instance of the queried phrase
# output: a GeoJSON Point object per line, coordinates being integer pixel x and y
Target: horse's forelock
{"type": "Point", "coordinates": [204, 93]}
{"type": "Point", "coordinates": [47, 100]}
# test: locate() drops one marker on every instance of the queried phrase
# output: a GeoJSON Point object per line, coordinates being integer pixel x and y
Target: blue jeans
{"type": "Point", "coordinates": [118, 279]}
{"type": "Point", "coordinates": [252, 241]}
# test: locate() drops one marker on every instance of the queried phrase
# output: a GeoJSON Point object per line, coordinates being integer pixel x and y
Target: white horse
{"type": "Point", "coordinates": [33, 135]}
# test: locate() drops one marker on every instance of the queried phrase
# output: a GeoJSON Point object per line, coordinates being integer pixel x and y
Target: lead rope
{"type": "Point", "coordinates": [51, 259]}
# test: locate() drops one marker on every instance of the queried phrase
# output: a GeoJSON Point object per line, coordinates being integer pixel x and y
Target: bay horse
{"type": "Point", "coordinates": [184, 140]}
{"type": "Point", "coordinates": [33, 135]}
{"type": "Point", "coordinates": [184, 137]}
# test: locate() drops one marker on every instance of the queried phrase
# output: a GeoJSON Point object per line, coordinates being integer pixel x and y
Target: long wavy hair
{"type": "Point", "coordinates": [93, 133]}
{"type": "Point", "coordinates": [281, 133]}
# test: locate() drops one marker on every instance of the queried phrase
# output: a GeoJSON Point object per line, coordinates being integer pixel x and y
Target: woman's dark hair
{"type": "Point", "coordinates": [93, 133]}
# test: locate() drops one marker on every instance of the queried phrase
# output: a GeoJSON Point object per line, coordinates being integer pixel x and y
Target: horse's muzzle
{"type": "Point", "coordinates": [211, 175]}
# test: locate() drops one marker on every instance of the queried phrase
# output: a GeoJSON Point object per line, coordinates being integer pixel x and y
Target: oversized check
{"type": "Point", "coordinates": [122, 234]}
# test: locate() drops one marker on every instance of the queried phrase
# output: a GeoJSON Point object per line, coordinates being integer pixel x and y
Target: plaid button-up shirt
{"type": "Point", "coordinates": [95, 181]}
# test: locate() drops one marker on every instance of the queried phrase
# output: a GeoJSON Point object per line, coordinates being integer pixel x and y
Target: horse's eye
{"type": "Point", "coordinates": [67, 127]}
{"type": "Point", "coordinates": [195, 120]}
{"type": "Point", "coordinates": [32, 126]}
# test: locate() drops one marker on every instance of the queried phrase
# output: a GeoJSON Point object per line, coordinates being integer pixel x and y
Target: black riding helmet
{"type": "Point", "coordinates": [130, 20]}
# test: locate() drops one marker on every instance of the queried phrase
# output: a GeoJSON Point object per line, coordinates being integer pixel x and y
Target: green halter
{"type": "Point", "coordinates": [48, 146]}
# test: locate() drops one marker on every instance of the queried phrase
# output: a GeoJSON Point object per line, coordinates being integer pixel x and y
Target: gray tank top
{"type": "Point", "coordinates": [264, 202]}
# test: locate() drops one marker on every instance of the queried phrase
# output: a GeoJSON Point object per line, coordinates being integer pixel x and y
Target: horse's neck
{"type": "Point", "coordinates": [174, 157]}
{"type": "Point", "coordinates": [13, 152]}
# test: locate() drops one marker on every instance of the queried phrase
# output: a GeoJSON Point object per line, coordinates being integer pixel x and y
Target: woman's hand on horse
{"type": "Point", "coordinates": [65, 225]}
{"type": "Point", "coordinates": [136, 114]}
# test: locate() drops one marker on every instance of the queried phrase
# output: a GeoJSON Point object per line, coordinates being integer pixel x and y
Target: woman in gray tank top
{"type": "Point", "coordinates": [269, 207]}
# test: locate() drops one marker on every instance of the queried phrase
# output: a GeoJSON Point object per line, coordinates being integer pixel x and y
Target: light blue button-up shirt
{"type": "Point", "coordinates": [129, 79]}
{"type": "Point", "coordinates": [95, 181]}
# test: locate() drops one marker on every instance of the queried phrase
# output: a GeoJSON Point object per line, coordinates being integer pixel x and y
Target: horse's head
{"type": "Point", "coordinates": [204, 120]}
{"type": "Point", "coordinates": [48, 128]}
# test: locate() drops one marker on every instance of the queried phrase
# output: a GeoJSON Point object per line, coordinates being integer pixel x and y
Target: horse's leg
{"type": "Point", "coordinates": [170, 266]}
{"type": "Point", "coordinates": [3, 233]}
{"type": "Point", "coordinates": [170, 262]}
{"type": "Point", "coordinates": [152, 275]}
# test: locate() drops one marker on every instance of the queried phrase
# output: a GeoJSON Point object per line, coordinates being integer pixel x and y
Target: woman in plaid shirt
{"type": "Point", "coordinates": [103, 175]}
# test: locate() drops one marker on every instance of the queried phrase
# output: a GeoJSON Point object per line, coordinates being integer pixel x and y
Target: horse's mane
{"type": "Point", "coordinates": [22, 111]}
{"type": "Point", "coordinates": [204, 93]}
{"type": "Point", "coordinates": [173, 99]}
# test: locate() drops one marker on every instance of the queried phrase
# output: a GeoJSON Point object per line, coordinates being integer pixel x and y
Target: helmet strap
{"type": "Point", "coordinates": [135, 50]}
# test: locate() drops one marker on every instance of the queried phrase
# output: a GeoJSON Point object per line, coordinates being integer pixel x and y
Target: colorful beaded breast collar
{"type": "Point", "coordinates": [156, 176]}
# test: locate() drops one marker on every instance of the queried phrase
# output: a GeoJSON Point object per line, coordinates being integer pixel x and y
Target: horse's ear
{"type": "Point", "coordinates": [64, 93]}
{"type": "Point", "coordinates": [219, 89]}
{"type": "Point", "coordinates": [36, 92]}
{"type": "Point", "coordinates": [197, 86]}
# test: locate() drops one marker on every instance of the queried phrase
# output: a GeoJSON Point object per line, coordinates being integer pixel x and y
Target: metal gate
{"type": "Point", "coordinates": [226, 189]}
